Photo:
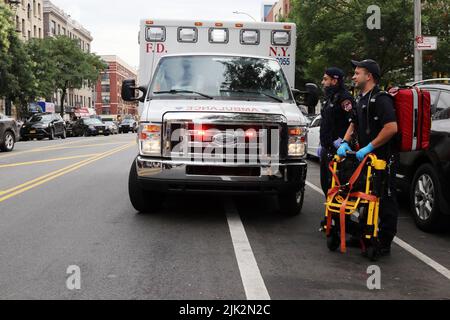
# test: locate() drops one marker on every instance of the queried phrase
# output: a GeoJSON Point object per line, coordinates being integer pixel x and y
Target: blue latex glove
{"type": "Point", "coordinates": [342, 151]}
{"type": "Point", "coordinates": [319, 151]}
{"type": "Point", "coordinates": [337, 143]}
{"type": "Point", "coordinates": [361, 154]}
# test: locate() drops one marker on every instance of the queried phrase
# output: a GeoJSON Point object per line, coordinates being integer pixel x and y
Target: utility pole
{"type": "Point", "coordinates": [418, 61]}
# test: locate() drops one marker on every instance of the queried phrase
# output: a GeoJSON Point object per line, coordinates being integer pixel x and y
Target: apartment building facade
{"type": "Point", "coordinates": [280, 10]}
{"type": "Point", "coordinates": [109, 86]}
{"type": "Point", "coordinates": [59, 23]}
{"type": "Point", "coordinates": [28, 18]}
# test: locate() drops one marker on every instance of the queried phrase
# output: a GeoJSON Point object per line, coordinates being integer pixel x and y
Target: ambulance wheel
{"type": "Point", "coordinates": [144, 201]}
{"type": "Point", "coordinates": [291, 203]}
{"type": "Point", "coordinates": [333, 241]}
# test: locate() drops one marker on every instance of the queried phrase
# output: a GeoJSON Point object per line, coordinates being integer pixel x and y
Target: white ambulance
{"type": "Point", "coordinates": [217, 112]}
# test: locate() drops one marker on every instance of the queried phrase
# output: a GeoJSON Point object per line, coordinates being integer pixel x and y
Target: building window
{"type": "Point", "coordinates": [53, 27]}
{"type": "Point", "coordinates": [105, 77]}
{"type": "Point", "coordinates": [17, 24]}
{"type": "Point", "coordinates": [23, 28]}
{"type": "Point", "coordinates": [29, 11]}
{"type": "Point", "coordinates": [35, 32]}
{"type": "Point", "coordinates": [106, 98]}
{"type": "Point", "coordinates": [106, 88]}
{"type": "Point", "coordinates": [40, 33]}
{"type": "Point", "coordinates": [39, 10]}
{"type": "Point", "coordinates": [59, 29]}
{"type": "Point", "coordinates": [88, 48]}
{"type": "Point", "coordinates": [34, 8]}
{"type": "Point", "coordinates": [64, 31]}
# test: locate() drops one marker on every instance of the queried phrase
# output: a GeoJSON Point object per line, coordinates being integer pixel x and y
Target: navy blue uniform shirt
{"type": "Point", "coordinates": [368, 126]}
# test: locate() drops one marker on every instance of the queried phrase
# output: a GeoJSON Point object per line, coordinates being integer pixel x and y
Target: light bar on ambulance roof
{"type": "Point", "coordinates": [156, 34]}
{"type": "Point", "coordinates": [218, 35]}
{"type": "Point", "coordinates": [187, 34]}
{"type": "Point", "coordinates": [250, 37]}
{"type": "Point", "coordinates": [281, 38]}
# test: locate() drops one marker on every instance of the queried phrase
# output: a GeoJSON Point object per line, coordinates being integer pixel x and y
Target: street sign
{"type": "Point", "coordinates": [426, 43]}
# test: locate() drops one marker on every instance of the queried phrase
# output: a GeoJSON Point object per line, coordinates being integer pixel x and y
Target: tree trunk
{"type": "Point", "coordinates": [63, 97]}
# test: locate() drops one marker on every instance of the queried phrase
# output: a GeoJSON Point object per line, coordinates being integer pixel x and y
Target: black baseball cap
{"type": "Point", "coordinates": [335, 73]}
{"type": "Point", "coordinates": [371, 65]}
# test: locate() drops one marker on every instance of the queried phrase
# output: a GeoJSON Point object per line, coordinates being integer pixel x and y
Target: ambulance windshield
{"type": "Point", "coordinates": [220, 77]}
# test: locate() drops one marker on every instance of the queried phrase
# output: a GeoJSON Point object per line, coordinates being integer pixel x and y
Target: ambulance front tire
{"type": "Point", "coordinates": [291, 203]}
{"type": "Point", "coordinates": [144, 201]}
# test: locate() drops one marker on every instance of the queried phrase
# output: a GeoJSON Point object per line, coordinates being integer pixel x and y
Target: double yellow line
{"type": "Point", "coordinates": [60, 146]}
{"type": "Point", "coordinates": [7, 194]}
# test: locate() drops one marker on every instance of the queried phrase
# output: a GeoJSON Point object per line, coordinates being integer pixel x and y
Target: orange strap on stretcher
{"type": "Point", "coordinates": [334, 191]}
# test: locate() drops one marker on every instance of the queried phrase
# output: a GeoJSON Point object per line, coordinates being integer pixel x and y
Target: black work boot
{"type": "Point", "coordinates": [385, 245]}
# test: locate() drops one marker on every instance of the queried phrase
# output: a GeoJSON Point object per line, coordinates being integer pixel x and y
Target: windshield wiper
{"type": "Point", "coordinates": [255, 92]}
{"type": "Point", "coordinates": [184, 91]}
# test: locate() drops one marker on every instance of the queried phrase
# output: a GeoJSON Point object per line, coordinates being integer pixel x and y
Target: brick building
{"type": "Point", "coordinates": [280, 10]}
{"type": "Point", "coordinates": [108, 89]}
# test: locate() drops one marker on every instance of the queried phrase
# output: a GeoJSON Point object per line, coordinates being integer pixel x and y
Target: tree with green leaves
{"type": "Point", "coordinates": [73, 66]}
{"type": "Point", "coordinates": [43, 66]}
{"type": "Point", "coordinates": [5, 27]}
{"type": "Point", "coordinates": [17, 81]}
{"type": "Point", "coordinates": [334, 32]}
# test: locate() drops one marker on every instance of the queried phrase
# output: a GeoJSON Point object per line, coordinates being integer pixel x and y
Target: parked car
{"type": "Point", "coordinates": [112, 127]}
{"type": "Point", "coordinates": [89, 127]}
{"type": "Point", "coordinates": [425, 175]}
{"type": "Point", "coordinates": [44, 125]}
{"type": "Point", "coordinates": [310, 118]}
{"type": "Point", "coordinates": [314, 136]}
{"type": "Point", "coordinates": [9, 133]}
{"type": "Point", "coordinates": [69, 127]}
{"type": "Point", "coordinates": [128, 125]}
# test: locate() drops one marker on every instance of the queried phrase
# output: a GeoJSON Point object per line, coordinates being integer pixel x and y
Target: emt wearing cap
{"type": "Point", "coordinates": [336, 114]}
{"type": "Point", "coordinates": [375, 125]}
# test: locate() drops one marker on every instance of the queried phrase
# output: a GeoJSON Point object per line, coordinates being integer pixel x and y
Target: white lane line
{"type": "Point", "coordinates": [254, 286]}
{"type": "Point", "coordinates": [419, 255]}
{"type": "Point", "coordinates": [317, 189]}
{"type": "Point", "coordinates": [433, 264]}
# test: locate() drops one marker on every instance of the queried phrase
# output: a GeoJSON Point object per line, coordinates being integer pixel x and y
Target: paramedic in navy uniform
{"type": "Point", "coordinates": [376, 133]}
{"type": "Point", "coordinates": [338, 106]}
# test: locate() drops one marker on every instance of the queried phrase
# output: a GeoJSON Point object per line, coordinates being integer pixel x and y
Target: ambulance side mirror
{"type": "Point", "coordinates": [308, 97]}
{"type": "Point", "coordinates": [129, 91]}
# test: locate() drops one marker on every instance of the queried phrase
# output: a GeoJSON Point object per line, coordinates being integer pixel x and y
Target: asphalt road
{"type": "Point", "coordinates": [65, 203]}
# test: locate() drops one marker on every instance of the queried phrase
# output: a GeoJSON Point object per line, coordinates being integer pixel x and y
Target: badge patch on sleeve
{"type": "Point", "coordinates": [347, 105]}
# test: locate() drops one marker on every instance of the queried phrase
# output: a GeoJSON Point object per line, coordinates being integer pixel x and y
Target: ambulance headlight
{"type": "Point", "coordinates": [297, 141]}
{"type": "Point", "coordinates": [281, 38]}
{"type": "Point", "coordinates": [149, 138]}
{"type": "Point", "coordinates": [250, 37]}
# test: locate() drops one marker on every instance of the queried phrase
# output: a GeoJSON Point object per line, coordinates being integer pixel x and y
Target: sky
{"type": "Point", "coordinates": [114, 24]}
